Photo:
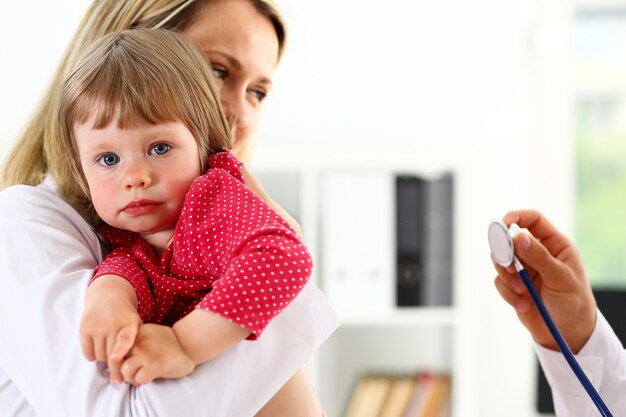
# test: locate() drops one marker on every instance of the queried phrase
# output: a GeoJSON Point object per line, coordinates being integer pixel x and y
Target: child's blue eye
{"type": "Point", "coordinates": [108, 160]}
{"type": "Point", "coordinates": [161, 148]}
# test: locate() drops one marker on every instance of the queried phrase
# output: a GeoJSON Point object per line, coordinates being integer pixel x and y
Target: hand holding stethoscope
{"type": "Point", "coordinates": [557, 271]}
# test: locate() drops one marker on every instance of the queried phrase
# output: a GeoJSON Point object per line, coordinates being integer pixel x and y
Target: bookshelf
{"type": "Point", "coordinates": [408, 341]}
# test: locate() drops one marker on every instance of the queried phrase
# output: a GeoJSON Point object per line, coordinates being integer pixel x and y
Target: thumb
{"type": "Point", "coordinates": [123, 342]}
{"type": "Point", "coordinates": [536, 256]}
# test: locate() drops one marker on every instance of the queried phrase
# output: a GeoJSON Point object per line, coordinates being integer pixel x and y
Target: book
{"type": "Point", "coordinates": [369, 396]}
{"type": "Point", "coordinates": [358, 397]}
{"type": "Point", "coordinates": [399, 396]}
{"type": "Point", "coordinates": [422, 395]}
{"type": "Point", "coordinates": [423, 387]}
{"type": "Point", "coordinates": [437, 401]}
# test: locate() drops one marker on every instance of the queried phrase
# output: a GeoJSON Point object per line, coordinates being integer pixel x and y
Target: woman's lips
{"type": "Point", "coordinates": [141, 207]}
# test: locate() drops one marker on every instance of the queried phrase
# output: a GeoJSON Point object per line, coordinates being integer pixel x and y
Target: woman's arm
{"type": "Point", "coordinates": [47, 256]}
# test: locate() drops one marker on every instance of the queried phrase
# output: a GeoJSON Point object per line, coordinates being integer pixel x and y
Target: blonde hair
{"type": "Point", "coordinates": [140, 75]}
{"type": "Point", "coordinates": [30, 157]}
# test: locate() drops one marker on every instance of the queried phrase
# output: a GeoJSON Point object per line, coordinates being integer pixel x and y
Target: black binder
{"type": "Point", "coordinates": [411, 239]}
{"type": "Point", "coordinates": [424, 240]}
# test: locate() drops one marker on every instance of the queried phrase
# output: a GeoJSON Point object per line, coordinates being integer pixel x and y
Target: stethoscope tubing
{"type": "Point", "coordinates": [565, 350]}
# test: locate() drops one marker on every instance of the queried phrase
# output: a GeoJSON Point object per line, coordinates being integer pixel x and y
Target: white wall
{"type": "Point", "coordinates": [33, 36]}
{"type": "Point", "coordinates": [398, 75]}
{"type": "Point", "coordinates": [367, 70]}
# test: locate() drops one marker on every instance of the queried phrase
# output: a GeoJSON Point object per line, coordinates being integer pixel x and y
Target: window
{"type": "Point", "coordinates": [599, 39]}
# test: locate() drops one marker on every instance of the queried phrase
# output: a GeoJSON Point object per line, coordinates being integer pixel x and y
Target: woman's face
{"type": "Point", "coordinates": [242, 47]}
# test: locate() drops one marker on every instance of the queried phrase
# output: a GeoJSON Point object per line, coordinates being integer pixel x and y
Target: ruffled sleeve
{"type": "Point", "coordinates": [257, 261]}
{"type": "Point", "coordinates": [123, 262]}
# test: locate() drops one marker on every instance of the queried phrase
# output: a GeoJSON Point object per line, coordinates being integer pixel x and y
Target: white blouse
{"type": "Point", "coordinates": [47, 256]}
{"type": "Point", "coordinates": [603, 359]}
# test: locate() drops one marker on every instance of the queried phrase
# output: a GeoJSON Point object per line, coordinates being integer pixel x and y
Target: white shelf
{"type": "Point", "coordinates": [401, 317]}
{"type": "Point", "coordinates": [461, 340]}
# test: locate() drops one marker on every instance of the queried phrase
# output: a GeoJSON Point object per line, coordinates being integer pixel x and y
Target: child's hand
{"type": "Point", "coordinates": [155, 354]}
{"type": "Point", "coordinates": [110, 323]}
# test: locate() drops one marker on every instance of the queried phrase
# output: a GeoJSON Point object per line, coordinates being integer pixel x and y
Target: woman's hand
{"type": "Point", "coordinates": [156, 354]}
{"type": "Point", "coordinates": [557, 271]}
{"type": "Point", "coordinates": [110, 322]}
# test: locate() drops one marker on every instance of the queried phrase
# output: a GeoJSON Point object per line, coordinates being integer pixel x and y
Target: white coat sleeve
{"type": "Point", "coordinates": [47, 256]}
{"type": "Point", "coordinates": [603, 360]}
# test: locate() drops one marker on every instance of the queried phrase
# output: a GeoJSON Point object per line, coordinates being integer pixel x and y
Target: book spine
{"type": "Point", "coordinates": [411, 239]}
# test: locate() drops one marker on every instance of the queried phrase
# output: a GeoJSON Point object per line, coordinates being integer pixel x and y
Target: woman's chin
{"type": "Point", "coordinates": [242, 148]}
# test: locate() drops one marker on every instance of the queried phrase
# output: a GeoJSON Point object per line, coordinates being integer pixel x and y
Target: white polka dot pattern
{"type": "Point", "coordinates": [231, 254]}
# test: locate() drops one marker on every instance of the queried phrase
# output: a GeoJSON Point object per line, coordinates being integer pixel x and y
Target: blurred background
{"type": "Point", "coordinates": [521, 102]}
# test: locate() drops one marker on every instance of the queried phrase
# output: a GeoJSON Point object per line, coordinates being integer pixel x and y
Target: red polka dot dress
{"type": "Point", "coordinates": [231, 254]}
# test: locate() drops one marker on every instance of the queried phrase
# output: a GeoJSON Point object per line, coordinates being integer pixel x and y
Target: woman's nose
{"type": "Point", "coordinates": [137, 175]}
{"type": "Point", "coordinates": [236, 109]}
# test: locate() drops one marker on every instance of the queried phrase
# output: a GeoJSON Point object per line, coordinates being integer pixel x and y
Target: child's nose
{"type": "Point", "coordinates": [137, 176]}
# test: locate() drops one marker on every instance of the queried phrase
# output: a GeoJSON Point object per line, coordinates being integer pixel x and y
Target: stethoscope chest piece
{"type": "Point", "coordinates": [501, 243]}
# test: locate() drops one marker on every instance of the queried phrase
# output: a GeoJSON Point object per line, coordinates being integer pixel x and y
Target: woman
{"type": "Point", "coordinates": [42, 371]}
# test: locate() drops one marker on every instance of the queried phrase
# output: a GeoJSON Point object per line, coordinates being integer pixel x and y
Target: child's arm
{"type": "Point", "coordinates": [110, 322]}
{"type": "Point", "coordinates": [164, 352]}
{"type": "Point", "coordinates": [205, 335]}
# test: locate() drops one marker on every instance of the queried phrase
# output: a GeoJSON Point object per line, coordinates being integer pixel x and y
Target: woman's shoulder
{"type": "Point", "coordinates": [40, 204]}
{"type": "Point", "coordinates": [24, 200]}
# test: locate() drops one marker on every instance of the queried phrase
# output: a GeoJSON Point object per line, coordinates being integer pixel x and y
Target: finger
{"type": "Point", "coordinates": [509, 278]}
{"type": "Point", "coordinates": [540, 227]}
{"type": "Point", "coordinates": [144, 376]}
{"type": "Point", "coordinates": [100, 349]}
{"type": "Point", "coordinates": [123, 343]}
{"type": "Point", "coordinates": [86, 343]}
{"type": "Point", "coordinates": [520, 303]}
{"type": "Point", "coordinates": [536, 256]}
{"type": "Point", "coordinates": [129, 368]}
{"type": "Point", "coordinates": [532, 220]}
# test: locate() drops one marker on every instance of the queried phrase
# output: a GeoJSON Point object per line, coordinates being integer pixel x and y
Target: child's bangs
{"type": "Point", "coordinates": [129, 94]}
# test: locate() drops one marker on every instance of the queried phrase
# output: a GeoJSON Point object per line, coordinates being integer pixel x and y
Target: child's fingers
{"type": "Point", "coordinates": [87, 345]}
{"type": "Point", "coordinates": [123, 342]}
{"type": "Point", "coordinates": [144, 376]}
{"type": "Point", "coordinates": [129, 368]}
{"type": "Point", "coordinates": [100, 349]}
{"type": "Point", "coordinates": [121, 347]}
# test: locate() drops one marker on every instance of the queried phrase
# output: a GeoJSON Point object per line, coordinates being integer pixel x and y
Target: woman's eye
{"type": "Point", "coordinates": [219, 72]}
{"type": "Point", "coordinates": [259, 95]}
{"type": "Point", "coordinates": [160, 149]}
{"type": "Point", "coordinates": [108, 160]}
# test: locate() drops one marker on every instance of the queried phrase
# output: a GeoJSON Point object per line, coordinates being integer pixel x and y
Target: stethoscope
{"type": "Point", "coordinates": [501, 242]}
